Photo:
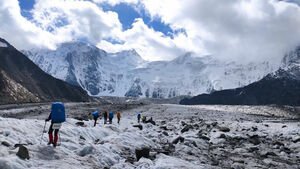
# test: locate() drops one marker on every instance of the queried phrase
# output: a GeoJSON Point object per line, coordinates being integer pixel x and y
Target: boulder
{"type": "Point", "coordinates": [165, 133]}
{"type": "Point", "coordinates": [82, 138]}
{"type": "Point", "coordinates": [224, 129]}
{"type": "Point", "coordinates": [186, 128]}
{"type": "Point", "coordinates": [5, 143]}
{"type": "Point", "coordinates": [23, 152]}
{"type": "Point", "coordinates": [254, 139]}
{"type": "Point", "coordinates": [80, 123]}
{"type": "Point", "coordinates": [175, 141]}
{"type": "Point", "coordinates": [86, 150]}
{"type": "Point", "coordinates": [142, 152]}
{"type": "Point", "coordinates": [204, 137]}
{"type": "Point", "coordinates": [296, 139]}
{"type": "Point", "coordinates": [138, 126]}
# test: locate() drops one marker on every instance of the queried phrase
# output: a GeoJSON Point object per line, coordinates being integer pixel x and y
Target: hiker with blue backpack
{"type": "Point", "coordinates": [95, 116]}
{"type": "Point", "coordinates": [111, 116]}
{"type": "Point", "coordinates": [57, 117]}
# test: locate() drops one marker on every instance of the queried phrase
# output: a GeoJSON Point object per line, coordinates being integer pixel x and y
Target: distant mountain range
{"type": "Point", "coordinates": [127, 74]}
{"type": "Point", "coordinates": [281, 87]}
{"type": "Point", "coordinates": [23, 81]}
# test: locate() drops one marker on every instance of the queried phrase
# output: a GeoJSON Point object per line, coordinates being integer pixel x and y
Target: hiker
{"type": "Point", "coordinates": [144, 118]}
{"type": "Point", "coordinates": [139, 117]}
{"type": "Point", "coordinates": [57, 117]}
{"type": "Point", "coordinates": [105, 116]}
{"type": "Point", "coordinates": [119, 116]}
{"type": "Point", "coordinates": [95, 116]}
{"type": "Point", "coordinates": [111, 116]}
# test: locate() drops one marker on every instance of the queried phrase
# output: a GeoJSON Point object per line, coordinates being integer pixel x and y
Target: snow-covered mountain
{"type": "Point", "coordinates": [127, 74]}
{"type": "Point", "coordinates": [281, 87]}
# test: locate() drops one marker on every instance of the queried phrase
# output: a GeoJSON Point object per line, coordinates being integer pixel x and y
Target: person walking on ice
{"type": "Point", "coordinates": [111, 116]}
{"type": "Point", "coordinates": [95, 117]}
{"type": "Point", "coordinates": [105, 114]}
{"type": "Point", "coordinates": [139, 117]}
{"type": "Point", "coordinates": [57, 117]}
{"type": "Point", "coordinates": [119, 116]}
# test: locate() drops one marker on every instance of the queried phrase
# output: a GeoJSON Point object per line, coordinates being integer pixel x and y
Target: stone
{"type": "Point", "coordinates": [163, 127]}
{"type": "Point", "coordinates": [186, 128]}
{"type": "Point", "coordinates": [23, 152]}
{"type": "Point", "coordinates": [252, 149]}
{"type": "Point", "coordinates": [5, 143]}
{"type": "Point", "coordinates": [82, 138]}
{"type": "Point", "coordinates": [254, 128]}
{"type": "Point", "coordinates": [222, 136]}
{"type": "Point", "coordinates": [224, 129]}
{"type": "Point", "coordinates": [138, 126]}
{"type": "Point", "coordinates": [204, 137]}
{"type": "Point", "coordinates": [86, 150]}
{"type": "Point", "coordinates": [80, 123]}
{"type": "Point", "coordinates": [254, 139]}
{"type": "Point", "coordinates": [143, 152]}
{"type": "Point", "coordinates": [296, 139]}
{"type": "Point", "coordinates": [181, 139]}
{"type": "Point", "coordinates": [165, 133]}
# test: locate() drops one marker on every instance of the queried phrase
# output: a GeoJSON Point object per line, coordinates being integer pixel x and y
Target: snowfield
{"type": "Point", "coordinates": [213, 137]}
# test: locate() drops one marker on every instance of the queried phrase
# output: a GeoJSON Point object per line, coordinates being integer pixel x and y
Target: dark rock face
{"type": "Point", "coordinates": [23, 152]}
{"type": "Point", "coordinates": [135, 90]}
{"type": "Point", "coordinates": [143, 152]}
{"type": "Point", "coordinates": [36, 85]}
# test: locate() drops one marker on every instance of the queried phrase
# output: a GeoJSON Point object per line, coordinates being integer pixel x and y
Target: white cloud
{"type": "Point", "coordinates": [242, 30]}
{"type": "Point", "coordinates": [150, 44]}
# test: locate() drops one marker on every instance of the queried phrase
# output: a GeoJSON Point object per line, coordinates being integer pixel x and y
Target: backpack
{"type": "Point", "coordinates": [111, 115]}
{"type": "Point", "coordinates": [95, 114]}
{"type": "Point", "coordinates": [58, 114]}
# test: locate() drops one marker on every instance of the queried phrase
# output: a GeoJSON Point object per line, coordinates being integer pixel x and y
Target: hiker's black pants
{"type": "Point", "coordinates": [95, 119]}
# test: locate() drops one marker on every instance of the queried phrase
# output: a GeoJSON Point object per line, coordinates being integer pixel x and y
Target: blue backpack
{"type": "Point", "coordinates": [58, 114]}
{"type": "Point", "coordinates": [95, 114]}
{"type": "Point", "coordinates": [111, 115]}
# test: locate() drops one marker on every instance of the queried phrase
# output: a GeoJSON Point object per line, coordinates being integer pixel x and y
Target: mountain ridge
{"type": "Point", "coordinates": [23, 81]}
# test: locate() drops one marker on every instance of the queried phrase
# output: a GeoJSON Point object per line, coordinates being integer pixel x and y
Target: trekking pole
{"type": "Point", "coordinates": [43, 132]}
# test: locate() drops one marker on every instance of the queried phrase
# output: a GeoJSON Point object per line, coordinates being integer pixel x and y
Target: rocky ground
{"type": "Point", "coordinates": [182, 137]}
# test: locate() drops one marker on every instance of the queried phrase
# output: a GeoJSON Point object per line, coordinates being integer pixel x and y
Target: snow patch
{"type": "Point", "coordinates": [3, 45]}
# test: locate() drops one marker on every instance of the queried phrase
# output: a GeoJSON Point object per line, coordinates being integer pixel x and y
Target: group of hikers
{"type": "Point", "coordinates": [106, 116]}
{"type": "Point", "coordinates": [58, 116]}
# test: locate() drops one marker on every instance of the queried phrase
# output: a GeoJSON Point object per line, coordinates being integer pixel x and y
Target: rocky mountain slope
{"type": "Point", "coordinates": [22, 81]}
{"type": "Point", "coordinates": [281, 87]}
{"type": "Point", "coordinates": [127, 74]}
